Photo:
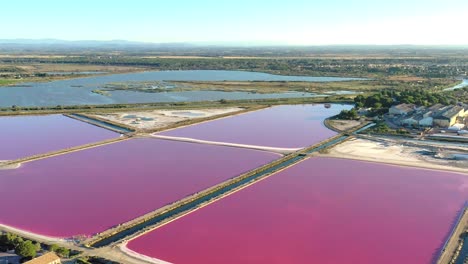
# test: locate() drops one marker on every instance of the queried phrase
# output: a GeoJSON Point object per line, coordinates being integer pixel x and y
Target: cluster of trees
{"type": "Point", "coordinates": [385, 99]}
{"type": "Point", "coordinates": [61, 251]}
{"type": "Point", "coordinates": [421, 97]}
{"type": "Point", "coordinates": [63, 107]}
{"type": "Point", "coordinates": [382, 128]}
{"type": "Point", "coordinates": [27, 249]}
{"type": "Point", "coordinates": [94, 260]}
{"type": "Point", "coordinates": [429, 68]}
{"type": "Point", "coordinates": [23, 248]}
{"type": "Point", "coordinates": [348, 114]}
{"type": "Point", "coordinates": [460, 94]}
{"type": "Point", "coordinates": [377, 101]}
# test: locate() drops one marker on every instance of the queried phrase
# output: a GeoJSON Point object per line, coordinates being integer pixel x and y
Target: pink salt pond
{"type": "Point", "coordinates": [286, 126]}
{"type": "Point", "coordinates": [322, 210]}
{"type": "Point", "coordinates": [89, 191]}
{"type": "Point", "coordinates": [30, 135]}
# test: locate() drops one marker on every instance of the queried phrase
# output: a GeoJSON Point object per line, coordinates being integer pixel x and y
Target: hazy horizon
{"type": "Point", "coordinates": [270, 23]}
{"type": "Point", "coordinates": [242, 44]}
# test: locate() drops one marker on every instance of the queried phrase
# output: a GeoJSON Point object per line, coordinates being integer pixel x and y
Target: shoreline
{"type": "Point", "coordinates": [78, 75]}
{"type": "Point", "coordinates": [130, 253]}
{"type": "Point", "coordinates": [162, 118]}
{"type": "Point", "coordinates": [9, 167]}
{"type": "Point", "coordinates": [32, 235]}
{"type": "Point", "coordinates": [391, 154]}
{"type": "Point", "coordinates": [398, 163]}
{"type": "Point", "coordinates": [231, 114]}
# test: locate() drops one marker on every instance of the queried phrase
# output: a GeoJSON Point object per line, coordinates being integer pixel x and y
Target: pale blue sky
{"type": "Point", "coordinates": [297, 22]}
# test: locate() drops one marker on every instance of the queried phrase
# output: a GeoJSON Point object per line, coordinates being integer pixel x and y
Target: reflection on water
{"type": "Point", "coordinates": [79, 91]}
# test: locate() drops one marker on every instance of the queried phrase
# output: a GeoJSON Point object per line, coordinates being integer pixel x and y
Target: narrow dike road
{"type": "Point", "coordinates": [108, 243]}
{"type": "Point", "coordinates": [158, 218]}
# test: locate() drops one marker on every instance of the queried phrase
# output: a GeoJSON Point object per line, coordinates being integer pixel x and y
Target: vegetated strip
{"type": "Point", "coordinates": [450, 252]}
{"type": "Point", "coordinates": [116, 127]}
{"type": "Point", "coordinates": [62, 151]}
{"type": "Point", "coordinates": [43, 110]}
{"type": "Point", "coordinates": [184, 206]}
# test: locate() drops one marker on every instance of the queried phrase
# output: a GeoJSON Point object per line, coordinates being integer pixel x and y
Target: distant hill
{"type": "Point", "coordinates": [212, 49]}
{"type": "Point", "coordinates": [64, 45]}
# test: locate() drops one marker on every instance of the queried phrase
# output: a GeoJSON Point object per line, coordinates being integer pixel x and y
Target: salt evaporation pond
{"type": "Point", "coordinates": [89, 191]}
{"type": "Point", "coordinates": [286, 126]}
{"type": "Point", "coordinates": [24, 136]}
{"type": "Point", "coordinates": [322, 210]}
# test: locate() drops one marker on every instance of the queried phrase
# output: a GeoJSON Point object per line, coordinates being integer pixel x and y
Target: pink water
{"type": "Point", "coordinates": [89, 191]}
{"type": "Point", "coordinates": [29, 135]}
{"type": "Point", "coordinates": [323, 210]}
{"type": "Point", "coordinates": [286, 126]}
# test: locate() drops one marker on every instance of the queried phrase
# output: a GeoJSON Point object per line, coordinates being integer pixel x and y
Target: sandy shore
{"type": "Point", "coordinates": [32, 236]}
{"type": "Point", "coordinates": [342, 125]}
{"type": "Point", "coordinates": [9, 167]}
{"type": "Point", "coordinates": [123, 247]}
{"type": "Point", "coordinates": [162, 118]}
{"type": "Point", "coordinates": [392, 153]}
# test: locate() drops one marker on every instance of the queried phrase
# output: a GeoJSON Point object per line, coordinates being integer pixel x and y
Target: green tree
{"type": "Point", "coordinates": [63, 252]}
{"type": "Point", "coordinates": [53, 247]}
{"type": "Point", "coordinates": [16, 240]}
{"type": "Point", "coordinates": [348, 115]}
{"type": "Point", "coordinates": [26, 249]}
{"type": "Point", "coordinates": [38, 246]}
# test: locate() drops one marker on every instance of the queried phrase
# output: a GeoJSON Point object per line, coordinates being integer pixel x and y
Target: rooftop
{"type": "Point", "coordinates": [450, 112]}
{"type": "Point", "coordinates": [44, 259]}
{"type": "Point", "coordinates": [435, 107]}
{"type": "Point", "coordinates": [404, 107]}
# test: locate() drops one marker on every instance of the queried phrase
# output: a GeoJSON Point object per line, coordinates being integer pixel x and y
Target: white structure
{"type": "Point", "coordinates": [426, 121]}
{"type": "Point", "coordinates": [456, 127]}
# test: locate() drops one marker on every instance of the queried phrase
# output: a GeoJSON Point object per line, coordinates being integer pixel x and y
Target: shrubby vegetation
{"type": "Point", "coordinates": [460, 94]}
{"type": "Point", "coordinates": [392, 66]}
{"type": "Point", "coordinates": [387, 98]}
{"type": "Point", "coordinates": [28, 249]}
{"type": "Point", "coordinates": [382, 128]}
{"type": "Point", "coordinates": [348, 114]}
{"type": "Point", "coordinates": [61, 251]}
{"type": "Point", "coordinates": [94, 260]}
{"type": "Point", "coordinates": [24, 248]}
